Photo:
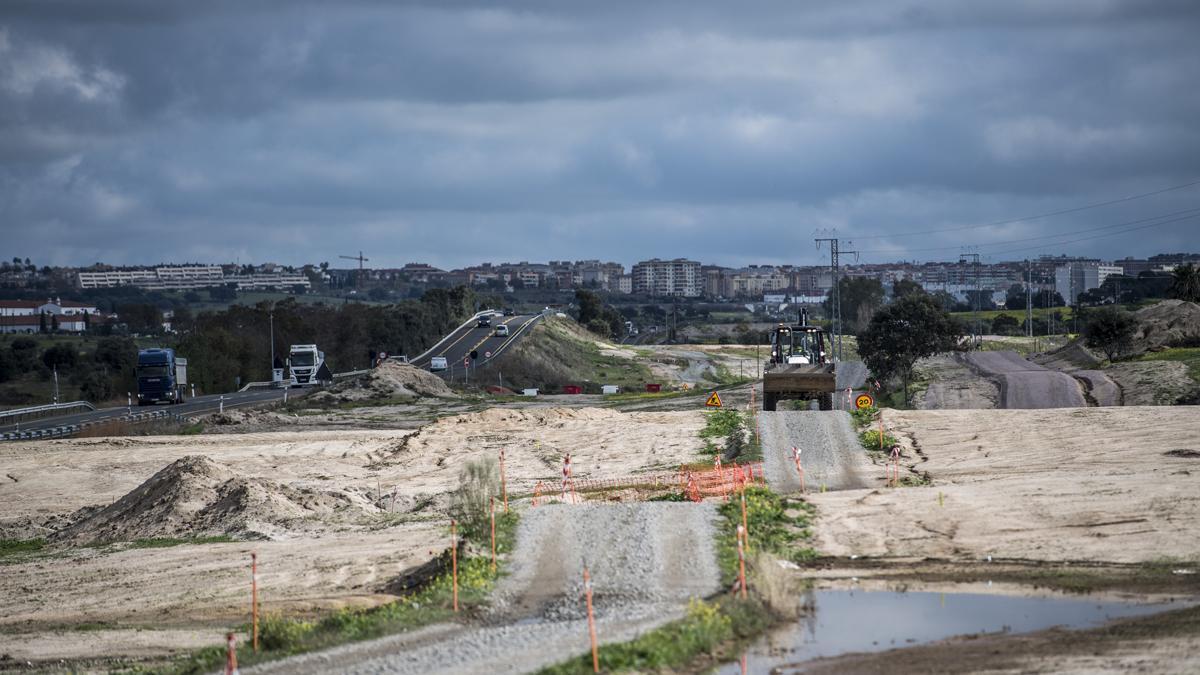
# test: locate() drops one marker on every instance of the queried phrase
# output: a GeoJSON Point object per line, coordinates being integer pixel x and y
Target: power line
{"type": "Point", "coordinates": [1099, 236]}
{"type": "Point", "coordinates": [1046, 236]}
{"type": "Point", "coordinates": [1048, 214]}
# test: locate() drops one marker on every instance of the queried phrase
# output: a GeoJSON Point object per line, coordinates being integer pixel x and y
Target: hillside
{"type": "Point", "coordinates": [557, 352]}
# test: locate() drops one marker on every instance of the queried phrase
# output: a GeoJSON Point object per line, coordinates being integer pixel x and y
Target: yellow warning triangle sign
{"type": "Point", "coordinates": [713, 401]}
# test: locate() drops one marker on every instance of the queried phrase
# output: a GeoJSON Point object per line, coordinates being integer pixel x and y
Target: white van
{"type": "Point", "coordinates": [438, 363]}
{"type": "Point", "coordinates": [502, 330]}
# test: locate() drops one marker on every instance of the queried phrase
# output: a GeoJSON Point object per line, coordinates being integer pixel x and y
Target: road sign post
{"type": "Point", "coordinates": [714, 401]}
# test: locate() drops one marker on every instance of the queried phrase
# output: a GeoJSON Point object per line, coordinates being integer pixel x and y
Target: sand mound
{"type": "Point", "coordinates": [391, 379]}
{"type": "Point", "coordinates": [1167, 323]}
{"type": "Point", "coordinates": [195, 496]}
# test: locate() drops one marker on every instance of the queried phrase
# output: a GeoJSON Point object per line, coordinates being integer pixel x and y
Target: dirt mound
{"type": "Point", "coordinates": [1167, 323]}
{"type": "Point", "coordinates": [195, 497]}
{"type": "Point", "coordinates": [391, 379]}
{"type": "Point", "coordinates": [1072, 356]}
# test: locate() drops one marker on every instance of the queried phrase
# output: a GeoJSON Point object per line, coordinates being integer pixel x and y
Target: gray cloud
{"type": "Point", "coordinates": [452, 132]}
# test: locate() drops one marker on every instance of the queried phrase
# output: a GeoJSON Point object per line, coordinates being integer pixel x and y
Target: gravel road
{"type": "Point", "coordinates": [830, 452]}
{"type": "Point", "coordinates": [1024, 384]}
{"type": "Point", "coordinates": [646, 561]}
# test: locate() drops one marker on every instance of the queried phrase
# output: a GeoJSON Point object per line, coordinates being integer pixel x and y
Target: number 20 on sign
{"type": "Point", "coordinates": [864, 401]}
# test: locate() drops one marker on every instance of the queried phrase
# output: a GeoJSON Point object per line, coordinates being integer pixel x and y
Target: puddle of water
{"type": "Point", "coordinates": [840, 622]}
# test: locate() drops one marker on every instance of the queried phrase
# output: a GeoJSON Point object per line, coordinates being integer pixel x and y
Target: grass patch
{"type": "Point", "coordinates": [168, 542]}
{"type": "Point", "coordinates": [15, 547]}
{"type": "Point", "coordinates": [777, 525]}
{"type": "Point", "coordinates": [1189, 356]}
{"type": "Point", "coordinates": [706, 632]}
{"type": "Point", "coordinates": [869, 439]}
{"type": "Point", "coordinates": [191, 429]}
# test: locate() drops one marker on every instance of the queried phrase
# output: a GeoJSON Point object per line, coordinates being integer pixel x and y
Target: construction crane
{"type": "Point", "coordinates": [358, 257]}
{"type": "Point", "coordinates": [361, 260]}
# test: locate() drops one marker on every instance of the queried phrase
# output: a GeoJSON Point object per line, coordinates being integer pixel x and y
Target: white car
{"type": "Point", "coordinates": [438, 363]}
{"type": "Point", "coordinates": [502, 330]}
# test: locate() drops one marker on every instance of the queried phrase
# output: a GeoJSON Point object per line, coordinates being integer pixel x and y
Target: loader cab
{"type": "Point", "coordinates": [797, 345]}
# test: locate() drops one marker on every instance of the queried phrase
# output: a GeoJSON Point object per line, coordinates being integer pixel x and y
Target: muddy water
{"type": "Point", "coordinates": [840, 622]}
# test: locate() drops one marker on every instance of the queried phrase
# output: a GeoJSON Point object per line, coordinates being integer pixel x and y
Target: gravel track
{"type": "Point", "coordinates": [646, 561]}
{"type": "Point", "coordinates": [830, 451]}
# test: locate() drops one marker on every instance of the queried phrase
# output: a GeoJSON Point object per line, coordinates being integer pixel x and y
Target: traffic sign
{"type": "Point", "coordinates": [714, 401]}
{"type": "Point", "coordinates": [382, 356]}
{"type": "Point", "coordinates": [474, 354]}
{"type": "Point", "coordinates": [864, 401]}
{"type": "Point", "coordinates": [487, 355]}
{"type": "Point", "coordinates": [467, 362]}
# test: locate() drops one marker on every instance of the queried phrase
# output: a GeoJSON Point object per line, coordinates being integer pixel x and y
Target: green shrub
{"type": "Point", "coordinates": [470, 505]}
{"type": "Point", "coordinates": [870, 440]}
{"type": "Point", "coordinates": [863, 417]}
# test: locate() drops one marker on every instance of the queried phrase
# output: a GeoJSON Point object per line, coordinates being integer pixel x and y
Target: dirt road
{"type": "Point", "coordinates": [1024, 384]}
{"type": "Point", "coordinates": [646, 561]}
{"type": "Point", "coordinates": [830, 453]}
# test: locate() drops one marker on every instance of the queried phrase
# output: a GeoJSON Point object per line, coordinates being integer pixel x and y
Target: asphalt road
{"type": "Point", "coordinates": [458, 345]}
{"type": "Point", "coordinates": [195, 405]}
{"type": "Point", "coordinates": [1024, 384]}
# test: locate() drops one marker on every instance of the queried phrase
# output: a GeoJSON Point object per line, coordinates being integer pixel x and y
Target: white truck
{"type": "Point", "coordinates": [304, 361]}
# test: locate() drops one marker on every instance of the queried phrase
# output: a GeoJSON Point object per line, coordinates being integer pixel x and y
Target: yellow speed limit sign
{"type": "Point", "coordinates": [864, 401]}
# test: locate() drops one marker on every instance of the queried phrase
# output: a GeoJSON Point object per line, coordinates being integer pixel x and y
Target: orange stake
{"type": "Point", "coordinates": [454, 559]}
{"type": "Point", "coordinates": [741, 560]}
{"type": "Point", "coordinates": [587, 589]}
{"type": "Point", "coordinates": [503, 481]}
{"type": "Point", "coordinates": [493, 535]}
{"type": "Point", "coordinates": [744, 524]}
{"type": "Point", "coordinates": [254, 599]}
{"type": "Point", "coordinates": [230, 654]}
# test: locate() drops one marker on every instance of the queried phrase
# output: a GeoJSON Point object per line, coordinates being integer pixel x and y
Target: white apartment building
{"type": "Point", "coordinates": [679, 278]}
{"type": "Point", "coordinates": [159, 278]}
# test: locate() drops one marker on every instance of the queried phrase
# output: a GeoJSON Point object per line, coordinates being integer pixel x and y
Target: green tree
{"type": "Point", "coordinates": [1185, 283]}
{"type": "Point", "coordinates": [860, 298]}
{"type": "Point", "coordinates": [599, 327]}
{"type": "Point", "coordinates": [905, 287]}
{"type": "Point", "coordinates": [1006, 324]}
{"type": "Point", "coordinates": [590, 306]}
{"type": "Point", "coordinates": [904, 332]}
{"type": "Point", "coordinates": [1014, 297]}
{"type": "Point", "coordinates": [60, 356]}
{"type": "Point", "coordinates": [1111, 330]}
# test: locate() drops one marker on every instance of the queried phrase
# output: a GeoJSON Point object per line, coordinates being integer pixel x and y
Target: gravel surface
{"type": "Point", "coordinates": [830, 451]}
{"type": "Point", "coordinates": [1024, 384]}
{"type": "Point", "coordinates": [646, 561]}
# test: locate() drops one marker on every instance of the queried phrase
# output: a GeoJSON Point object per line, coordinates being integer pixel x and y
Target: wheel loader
{"type": "Point", "coordinates": [799, 368]}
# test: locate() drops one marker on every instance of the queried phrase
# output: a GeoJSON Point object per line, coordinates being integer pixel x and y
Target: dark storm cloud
{"type": "Point", "coordinates": [454, 132]}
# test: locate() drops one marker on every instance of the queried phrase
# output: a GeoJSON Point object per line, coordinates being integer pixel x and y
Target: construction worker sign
{"type": "Point", "coordinates": [713, 401]}
{"type": "Point", "coordinates": [864, 401]}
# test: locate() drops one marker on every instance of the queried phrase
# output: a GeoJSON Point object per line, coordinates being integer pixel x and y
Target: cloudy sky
{"type": "Point", "coordinates": [454, 132]}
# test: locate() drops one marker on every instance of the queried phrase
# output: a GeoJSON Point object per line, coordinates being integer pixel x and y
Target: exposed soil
{"type": "Point", "coordinates": [1090, 485]}
{"type": "Point", "coordinates": [316, 559]}
{"type": "Point", "coordinates": [1167, 323]}
{"type": "Point", "coordinates": [954, 386]}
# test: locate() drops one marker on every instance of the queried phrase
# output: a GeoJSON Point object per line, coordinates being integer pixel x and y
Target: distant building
{"type": "Point", "coordinates": [668, 278]}
{"type": "Point", "coordinates": [191, 277]}
{"type": "Point", "coordinates": [1074, 278]}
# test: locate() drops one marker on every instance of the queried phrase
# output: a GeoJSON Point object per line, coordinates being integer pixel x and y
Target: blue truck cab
{"type": "Point", "coordinates": [161, 376]}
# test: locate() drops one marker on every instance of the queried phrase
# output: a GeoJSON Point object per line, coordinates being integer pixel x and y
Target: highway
{"type": "Point", "coordinates": [483, 340]}
{"type": "Point", "coordinates": [191, 406]}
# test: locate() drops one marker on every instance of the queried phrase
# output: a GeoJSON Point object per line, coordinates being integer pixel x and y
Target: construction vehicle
{"type": "Point", "coordinates": [799, 369]}
{"type": "Point", "coordinates": [305, 363]}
